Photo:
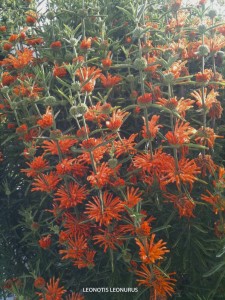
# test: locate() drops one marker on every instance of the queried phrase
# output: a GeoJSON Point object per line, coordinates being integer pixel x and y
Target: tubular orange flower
{"type": "Point", "coordinates": [76, 246]}
{"type": "Point", "coordinates": [98, 113]}
{"type": "Point", "coordinates": [56, 44]}
{"type": "Point", "coordinates": [7, 47]}
{"type": "Point", "coordinates": [52, 291]}
{"type": "Point", "coordinates": [206, 164]}
{"type": "Point", "coordinates": [153, 128]}
{"type": "Point", "coordinates": [45, 242]}
{"type": "Point", "coordinates": [181, 134]}
{"type": "Point", "coordinates": [107, 62]}
{"type": "Point", "coordinates": [47, 119]}
{"type": "Point", "coordinates": [7, 79]}
{"type": "Point", "coordinates": [206, 136]}
{"type": "Point", "coordinates": [59, 71]}
{"type": "Point", "coordinates": [32, 92]}
{"type": "Point", "coordinates": [102, 175]}
{"type": "Point", "coordinates": [23, 59]}
{"type": "Point", "coordinates": [39, 164]}
{"type": "Point", "coordinates": [204, 76]}
{"type": "Point", "coordinates": [64, 146]}
{"type": "Point", "coordinates": [94, 145]}
{"type": "Point", "coordinates": [75, 296]}
{"type": "Point", "coordinates": [76, 226]}
{"type": "Point", "coordinates": [109, 81]}
{"type": "Point", "coordinates": [133, 197]}
{"type": "Point", "coordinates": [145, 99]}
{"type": "Point", "coordinates": [87, 76]}
{"type": "Point", "coordinates": [108, 239]}
{"type": "Point", "coordinates": [86, 43]}
{"type": "Point", "coordinates": [181, 106]}
{"type": "Point", "coordinates": [86, 260]}
{"type": "Point", "coordinates": [104, 210]}
{"type": "Point", "coordinates": [71, 196]}
{"type": "Point", "coordinates": [183, 203]}
{"type": "Point", "coordinates": [39, 283]}
{"type": "Point", "coordinates": [150, 252]}
{"type": "Point", "coordinates": [125, 146]}
{"type": "Point", "coordinates": [13, 38]}
{"type": "Point", "coordinates": [116, 121]}
{"type": "Point", "coordinates": [186, 173]}
{"type": "Point", "coordinates": [155, 279]}
{"type": "Point", "coordinates": [45, 182]}
{"type": "Point", "coordinates": [210, 198]}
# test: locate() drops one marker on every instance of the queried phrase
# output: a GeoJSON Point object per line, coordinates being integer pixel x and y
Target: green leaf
{"type": "Point", "coordinates": [215, 269]}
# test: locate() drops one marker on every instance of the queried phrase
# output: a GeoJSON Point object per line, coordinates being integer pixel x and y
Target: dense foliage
{"type": "Point", "coordinates": [112, 139]}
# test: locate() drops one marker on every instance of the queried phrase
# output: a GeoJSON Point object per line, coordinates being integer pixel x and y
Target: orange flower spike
{"type": "Point", "coordinates": [59, 71]}
{"type": "Point", "coordinates": [56, 45]}
{"type": "Point", "coordinates": [23, 59]}
{"type": "Point", "coordinates": [125, 146]}
{"type": "Point", "coordinates": [181, 134]}
{"type": "Point", "coordinates": [75, 296]}
{"type": "Point", "coordinates": [107, 62]}
{"type": "Point", "coordinates": [39, 164]}
{"type": "Point", "coordinates": [47, 119]}
{"type": "Point", "coordinates": [52, 291]}
{"type": "Point", "coordinates": [151, 252]}
{"type": "Point", "coordinates": [39, 283]}
{"type": "Point", "coordinates": [116, 121]}
{"type": "Point", "coordinates": [206, 136]}
{"type": "Point", "coordinates": [71, 196]}
{"type": "Point", "coordinates": [133, 197]}
{"type": "Point", "coordinates": [104, 212]}
{"type": "Point", "coordinates": [152, 126]}
{"type": "Point", "coordinates": [85, 43]}
{"type": "Point", "coordinates": [109, 81]}
{"type": "Point", "coordinates": [107, 239]}
{"type": "Point", "coordinates": [45, 182]}
{"type": "Point", "coordinates": [153, 278]}
{"type": "Point", "coordinates": [45, 242]}
{"type": "Point", "coordinates": [76, 246]}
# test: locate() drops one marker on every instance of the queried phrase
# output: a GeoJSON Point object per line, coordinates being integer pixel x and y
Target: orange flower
{"type": "Point", "coordinates": [206, 136]}
{"type": "Point", "coordinates": [151, 252]}
{"type": "Point", "coordinates": [154, 278]}
{"type": "Point", "coordinates": [87, 76]}
{"type": "Point", "coordinates": [52, 291]}
{"type": "Point", "coordinates": [34, 41]}
{"type": "Point", "coordinates": [95, 146]}
{"type": "Point", "coordinates": [153, 128]}
{"type": "Point", "coordinates": [22, 60]}
{"type": "Point", "coordinates": [186, 173]}
{"type": "Point", "coordinates": [104, 209]}
{"type": "Point", "coordinates": [107, 62]}
{"type": "Point", "coordinates": [85, 43]}
{"type": "Point", "coordinates": [45, 182]}
{"type": "Point", "coordinates": [133, 197]}
{"type": "Point", "coordinates": [7, 79]}
{"type": "Point", "coordinates": [102, 175]}
{"type": "Point", "coordinates": [59, 71]}
{"type": "Point", "coordinates": [56, 44]}
{"type": "Point", "coordinates": [180, 106]}
{"type": "Point", "coordinates": [145, 99]}
{"type": "Point", "coordinates": [181, 134]}
{"type": "Point", "coordinates": [183, 203]}
{"type": "Point", "coordinates": [31, 17]}
{"type": "Point", "coordinates": [70, 195]}
{"type": "Point", "coordinates": [98, 112]}
{"type": "Point", "coordinates": [210, 198]}
{"type": "Point", "coordinates": [13, 38]}
{"type": "Point", "coordinates": [108, 239]}
{"type": "Point", "coordinates": [64, 146]}
{"type": "Point", "coordinates": [75, 226]}
{"type": "Point", "coordinates": [39, 283]}
{"type": "Point", "coordinates": [125, 146]}
{"type": "Point", "coordinates": [39, 164]}
{"type": "Point", "coordinates": [3, 28]}
{"type": "Point", "coordinates": [47, 119]}
{"type": "Point", "coordinates": [27, 91]}
{"type": "Point", "coordinates": [75, 296]}
{"type": "Point", "coordinates": [7, 46]}
{"type": "Point", "coordinates": [76, 246]}
{"type": "Point", "coordinates": [45, 242]}
{"type": "Point", "coordinates": [204, 76]}
{"type": "Point", "coordinates": [206, 164]}
{"type": "Point", "coordinates": [109, 81]}
{"type": "Point", "coordinates": [116, 121]}
{"type": "Point", "coordinates": [209, 98]}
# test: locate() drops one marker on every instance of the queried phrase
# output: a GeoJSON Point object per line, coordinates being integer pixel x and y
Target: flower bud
{"type": "Point", "coordinates": [82, 108]}
{"type": "Point", "coordinates": [50, 100]}
{"type": "Point", "coordinates": [113, 162]}
{"type": "Point", "coordinates": [202, 28]}
{"type": "Point", "coordinates": [140, 63]}
{"type": "Point", "coordinates": [4, 89]}
{"type": "Point", "coordinates": [130, 78]}
{"type": "Point", "coordinates": [168, 78]}
{"type": "Point", "coordinates": [203, 50]}
{"type": "Point", "coordinates": [50, 15]}
{"type": "Point", "coordinates": [75, 86]}
{"type": "Point", "coordinates": [212, 13]}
